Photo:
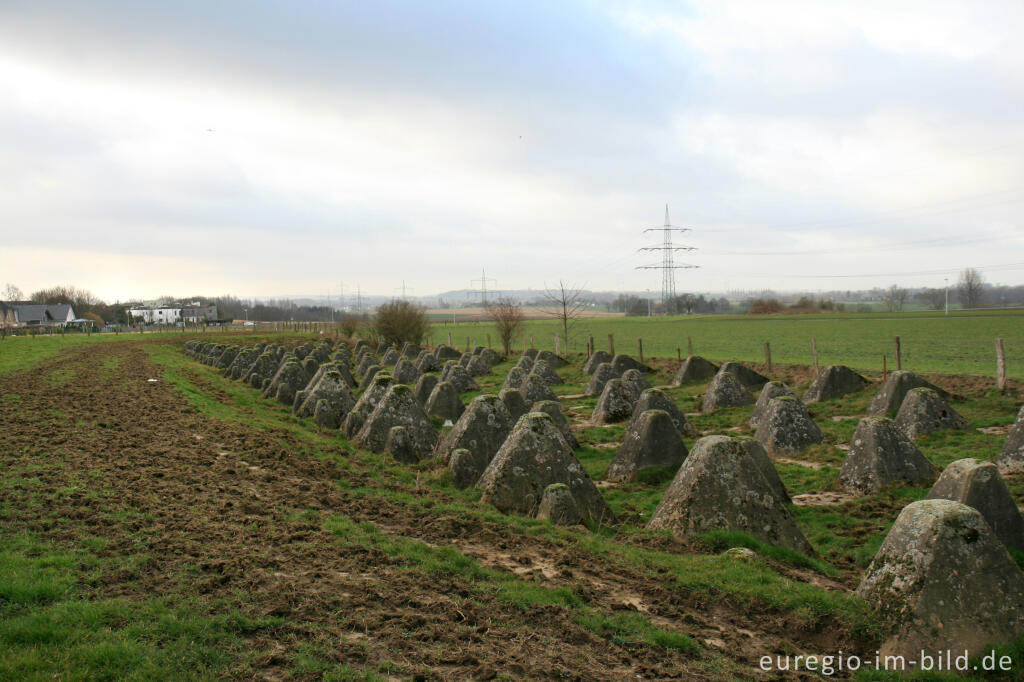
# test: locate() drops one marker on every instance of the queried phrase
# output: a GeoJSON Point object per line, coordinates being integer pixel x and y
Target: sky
{"type": "Point", "coordinates": [285, 149]}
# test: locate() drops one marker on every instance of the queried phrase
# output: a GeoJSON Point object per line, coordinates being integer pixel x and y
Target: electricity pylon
{"type": "Point", "coordinates": [668, 265]}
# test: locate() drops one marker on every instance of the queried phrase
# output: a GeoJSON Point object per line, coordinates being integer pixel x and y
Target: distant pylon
{"type": "Point", "coordinates": [668, 265]}
{"type": "Point", "coordinates": [482, 291]}
{"type": "Point", "coordinates": [404, 289]}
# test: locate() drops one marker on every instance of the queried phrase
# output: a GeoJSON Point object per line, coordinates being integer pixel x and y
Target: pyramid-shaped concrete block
{"type": "Point", "coordinates": [636, 382]}
{"type": "Point", "coordinates": [553, 409]}
{"type": "Point", "coordinates": [880, 455]}
{"type": "Point", "coordinates": [694, 368]}
{"type": "Point", "coordinates": [601, 376]}
{"type": "Point", "coordinates": [657, 399]}
{"type": "Point", "coordinates": [833, 382]}
{"type": "Point", "coordinates": [615, 404]}
{"type": "Point", "coordinates": [444, 402]}
{"type": "Point", "coordinates": [481, 429]}
{"type": "Point", "coordinates": [773, 389]}
{"type": "Point", "coordinates": [942, 580]}
{"type": "Point", "coordinates": [535, 388]}
{"type": "Point", "coordinates": [620, 363]}
{"type": "Point", "coordinates": [544, 371]}
{"type": "Point", "coordinates": [551, 359]}
{"type": "Point", "coordinates": [368, 401]}
{"type": "Point", "coordinates": [534, 456]}
{"type": "Point", "coordinates": [890, 396]}
{"type": "Point", "coordinates": [596, 359]}
{"type": "Point", "coordinates": [725, 390]}
{"type": "Point", "coordinates": [652, 442]}
{"type": "Point", "coordinates": [924, 411]}
{"type": "Point", "coordinates": [1011, 459]}
{"type": "Point", "coordinates": [398, 407]}
{"type": "Point", "coordinates": [787, 428]}
{"type": "Point", "coordinates": [514, 379]}
{"type": "Point", "coordinates": [424, 387]}
{"type": "Point", "coordinates": [405, 372]}
{"type": "Point", "coordinates": [979, 485]}
{"type": "Point", "coordinates": [720, 487]}
{"type": "Point", "coordinates": [751, 379]}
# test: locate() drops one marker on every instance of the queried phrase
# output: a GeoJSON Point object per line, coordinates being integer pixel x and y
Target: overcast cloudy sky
{"type": "Point", "coordinates": [281, 148]}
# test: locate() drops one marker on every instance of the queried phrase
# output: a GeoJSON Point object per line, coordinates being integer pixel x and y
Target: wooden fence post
{"type": "Point", "coordinates": [689, 345]}
{"type": "Point", "coordinates": [884, 371]}
{"type": "Point", "coordinates": [640, 348]}
{"type": "Point", "coordinates": [611, 345]}
{"type": "Point", "coordinates": [449, 338]}
{"type": "Point", "coordinates": [590, 345]}
{"type": "Point", "coordinates": [768, 356]}
{"type": "Point", "coordinates": [1000, 366]}
{"type": "Point", "coordinates": [558, 347]}
{"type": "Point", "coordinates": [531, 342]}
{"type": "Point", "coordinates": [467, 344]}
{"type": "Point", "coordinates": [814, 352]}
{"type": "Point", "coordinates": [679, 354]}
{"type": "Point", "coordinates": [488, 340]}
{"type": "Point", "coordinates": [899, 356]}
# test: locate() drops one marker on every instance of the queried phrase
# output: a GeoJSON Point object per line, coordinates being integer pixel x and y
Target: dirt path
{"type": "Point", "coordinates": [233, 513]}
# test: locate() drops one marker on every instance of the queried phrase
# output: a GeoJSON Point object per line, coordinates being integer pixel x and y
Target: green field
{"type": "Point", "coordinates": [230, 539]}
{"type": "Point", "coordinates": [962, 343]}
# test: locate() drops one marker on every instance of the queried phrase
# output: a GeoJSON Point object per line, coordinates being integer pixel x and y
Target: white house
{"type": "Point", "coordinates": [174, 314]}
{"type": "Point", "coordinates": [161, 315]}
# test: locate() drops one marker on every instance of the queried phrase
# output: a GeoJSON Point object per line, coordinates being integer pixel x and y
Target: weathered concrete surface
{"type": "Point", "coordinates": [725, 390]}
{"type": "Point", "coordinates": [942, 581]}
{"type": "Point", "coordinates": [652, 442]}
{"type": "Point", "coordinates": [1011, 459]}
{"type": "Point", "coordinates": [890, 396]}
{"type": "Point", "coordinates": [596, 359]}
{"type": "Point", "coordinates": [553, 409]}
{"type": "Point", "coordinates": [444, 402]}
{"type": "Point", "coordinates": [979, 485]}
{"type": "Point", "coordinates": [881, 454]}
{"type": "Point", "coordinates": [535, 389]}
{"type": "Point", "coordinates": [601, 376]}
{"type": "Point", "coordinates": [833, 382]}
{"type": "Point", "coordinates": [751, 379]}
{"type": "Point", "coordinates": [534, 456]}
{"type": "Point", "coordinates": [657, 399]}
{"type": "Point", "coordinates": [694, 368]}
{"type": "Point", "coordinates": [924, 411]}
{"type": "Point", "coordinates": [787, 428]}
{"type": "Point", "coordinates": [558, 506]}
{"type": "Point", "coordinates": [720, 487]}
{"type": "Point", "coordinates": [773, 389]}
{"type": "Point", "coordinates": [615, 404]}
{"type": "Point", "coordinates": [481, 429]}
{"type": "Point", "coordinates": [398, 407]}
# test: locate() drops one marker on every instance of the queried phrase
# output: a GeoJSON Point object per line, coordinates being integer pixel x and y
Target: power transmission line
{"type": "Point", "coordinates": [668, 267]}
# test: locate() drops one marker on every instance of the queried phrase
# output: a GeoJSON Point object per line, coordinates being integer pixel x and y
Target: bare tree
{"type": "Point", "coordinates": [508, 318]}
{"type": "Point", "coordinates": [971, 287]}
{"type": "Point", "coordinates": [12, 293]}
{"type": "Point", "coordinates": [566, 306]}
{"type": "Point", "coordinates": [895, 297]}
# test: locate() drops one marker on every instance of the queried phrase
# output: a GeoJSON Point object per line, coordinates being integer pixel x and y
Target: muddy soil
{"type": "Point", "coordinates": [235, 513]}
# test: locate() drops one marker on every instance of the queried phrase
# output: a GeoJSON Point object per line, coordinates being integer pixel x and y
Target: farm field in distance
{"type": "Point", "coordinates": [187, 528]}
{"type": "Point", "coordinates": [962, 343]}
